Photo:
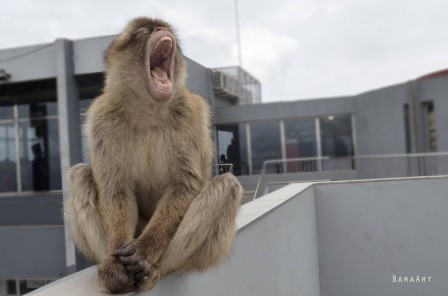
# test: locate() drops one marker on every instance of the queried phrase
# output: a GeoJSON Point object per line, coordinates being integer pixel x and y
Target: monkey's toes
{"type": "Point", "coordinates": [137, 268]}
{"type": "Point", "coordinates": [132, 255]}
{"type": "Point", "coordinates": [146, 280]}
{"type": "Point", "coordinates": [114, 278]}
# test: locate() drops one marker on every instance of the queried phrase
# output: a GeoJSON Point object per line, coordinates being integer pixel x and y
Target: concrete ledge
{"type": "Point", "coordinates": [329, 238]}
{"type": "Point", "coordinates": [254, 266]}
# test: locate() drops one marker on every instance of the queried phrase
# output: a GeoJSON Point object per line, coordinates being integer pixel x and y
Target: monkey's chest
{"type": "Point", "coordinates": [157, 164]}
{"type": "Point", "coordinates": [157, 169]}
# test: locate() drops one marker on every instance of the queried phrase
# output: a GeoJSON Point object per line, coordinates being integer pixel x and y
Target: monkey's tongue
{"type": "Point", "coordinates": [160, 74]}
{"type": "Point", "coordinates": [161, 80]}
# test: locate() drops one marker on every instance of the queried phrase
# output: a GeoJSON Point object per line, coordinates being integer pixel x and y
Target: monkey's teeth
{"type": "Point", "coordinates": [167, 83]}
{"type": "Point", "coordinates": [165, 87]}
{"type": "Point", "coordinates": [168, 49]}
{"type": "Point", "coordinates": [165, 38]}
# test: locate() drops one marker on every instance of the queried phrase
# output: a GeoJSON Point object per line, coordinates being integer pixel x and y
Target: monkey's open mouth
{"type": "Point", "coordinates": [161, 51]}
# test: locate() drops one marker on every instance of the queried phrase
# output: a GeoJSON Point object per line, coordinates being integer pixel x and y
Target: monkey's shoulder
{"type": "Point", "coordinates": [191, 107]}
{"type": "Point", "coordinates": [105, 107]}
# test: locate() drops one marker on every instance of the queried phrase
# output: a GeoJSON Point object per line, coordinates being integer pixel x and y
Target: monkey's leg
{"type": "Point", "coordinates": [207, 231]}
{"type": "Point", "coordinates": [200, 239]}
{"type": "Point", "coordinates": [119, 211]}
{"type": "Point", "coordinates": [82, 213]}
{"type": "Point", "coordinates": [99, 227]}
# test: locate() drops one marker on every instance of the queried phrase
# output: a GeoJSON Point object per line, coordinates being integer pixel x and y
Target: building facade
{"type": "Point", "coordinates": [46, 89]}
{"type": "Point", "coordinates": [406, 118]}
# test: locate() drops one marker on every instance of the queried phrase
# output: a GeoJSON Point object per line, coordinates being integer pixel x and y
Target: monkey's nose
{"type": "Point", "coordinates": [160, 29]}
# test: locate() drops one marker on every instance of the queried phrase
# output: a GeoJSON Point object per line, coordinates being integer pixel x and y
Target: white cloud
{"type": "Point", "coordinates": [297, 48]}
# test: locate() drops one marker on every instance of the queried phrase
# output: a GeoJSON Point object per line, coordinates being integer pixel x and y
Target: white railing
{"type": "Point", "coordinates": [352, 168]}
{"type": "Point", "coordinates": [219, 169]}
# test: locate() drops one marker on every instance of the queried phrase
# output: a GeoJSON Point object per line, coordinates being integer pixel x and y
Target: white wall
{"type": "Point", "coordinates": [370, 231]}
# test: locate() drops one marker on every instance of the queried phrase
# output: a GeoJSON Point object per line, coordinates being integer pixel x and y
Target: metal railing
{"type": "Point", "coordinates": [351, 168]}
{"type": "Point", "coordinates": [219, 169]}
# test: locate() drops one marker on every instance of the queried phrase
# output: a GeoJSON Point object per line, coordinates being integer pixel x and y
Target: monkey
{"type": "Point", "coordinates": [146, 204]}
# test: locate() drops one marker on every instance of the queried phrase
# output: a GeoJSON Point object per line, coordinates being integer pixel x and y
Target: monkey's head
{"type": "Point", "coordinates": [147, 58]}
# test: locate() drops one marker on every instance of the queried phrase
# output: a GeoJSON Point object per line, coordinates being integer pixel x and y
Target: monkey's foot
{"type": "Point", "coordinates": [132, 256]}
{"type": "Point", "coordinates": [147, 280]}
{"type": "Point", "coordinates": [113, 277]}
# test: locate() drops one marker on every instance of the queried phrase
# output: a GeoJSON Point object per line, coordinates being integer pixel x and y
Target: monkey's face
{"type": "Point", "coordinates": [147, 57]}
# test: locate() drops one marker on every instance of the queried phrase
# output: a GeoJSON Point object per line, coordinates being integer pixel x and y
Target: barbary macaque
{"type": "Point", "coordinates": [145, 206]}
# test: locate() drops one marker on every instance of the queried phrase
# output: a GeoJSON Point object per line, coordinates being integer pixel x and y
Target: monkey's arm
{"type": "Point", "coordinates": [160, 229]}
{"type": "Point", "coordinates": [140, 255]}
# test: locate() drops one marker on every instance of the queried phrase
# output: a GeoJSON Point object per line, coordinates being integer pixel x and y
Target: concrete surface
{"type": "Point", "coordinates": [331, 239]}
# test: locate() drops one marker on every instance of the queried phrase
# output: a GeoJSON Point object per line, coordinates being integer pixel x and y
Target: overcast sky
{"type": "Point", "coordinates": [298, 49]}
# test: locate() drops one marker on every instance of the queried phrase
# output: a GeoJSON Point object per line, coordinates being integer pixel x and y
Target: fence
{"type": "Point", "coordinates": [219, 169]}
{"type": "Point", "coordinates": [351, 168]}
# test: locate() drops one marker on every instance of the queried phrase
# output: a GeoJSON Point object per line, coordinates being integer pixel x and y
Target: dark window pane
{"type": "Point", "coordinates": [6, 112]}
{"type": "Point", "coordinates": [8, 158]}
{"type": "Point", "coordinates": [336, 136]}
{"type": "Point", "coordinates": [300, 137]}
{"type": "Point", "coordinates": [232, 147]}
{"type": "Point", "coordinates": [84, 105]}
{"type": "Point", "coordinates": [24, 288]}
{"type": "Point", "coordinates": [39, 155]}
{"type": "Point", "coordinates": [38, 109]}
{"type": "Point", "coordinates": [407, 128]}
{"type": "Point", "coordinates": [265, 142]}
{"type": "Point", "coordinates": [430, 122]}
{"type": "Point", "coordinates": [11, 287]}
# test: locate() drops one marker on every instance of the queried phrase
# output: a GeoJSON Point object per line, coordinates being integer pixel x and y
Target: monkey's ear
{"type": "Point", "coordinates": [132, 29]}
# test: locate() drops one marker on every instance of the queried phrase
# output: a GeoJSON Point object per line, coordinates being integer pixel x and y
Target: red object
{"type": "Point", "coordinates": [434, 75]}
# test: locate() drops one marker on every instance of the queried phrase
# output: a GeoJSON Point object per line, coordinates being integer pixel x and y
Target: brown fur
{"type": "Point", "coordinates": [145, 206]}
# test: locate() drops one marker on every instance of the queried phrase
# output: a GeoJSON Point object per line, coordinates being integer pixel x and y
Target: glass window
{"type": "Point", "coordinates": [84, 147]}
{"type": "Point", "coordinates": [265, 142]}
{"type": "Point", "coordinates": [407, 128]}
{"type": "Point", "coordinates": [84, 104]}
{"type": "Point", "coordinates": [8, 158]}
{"type": "Point", "coordinates": [39, 155]}
{"type": "Point", "coordinates": [300, 137]}
{"type": "Point", "coordinates": [38, 109]}
{"type": "Point", "coordinates": [232, 147]}
{"type": "Point", "coordinates": [11, 288]}
{"type": "Point", "coordinates": [29, 137]}
{"type": "Point", "coordinates": [25, 287]}
{"type": "Point", "coordinates": [300, 142]}
{"type": "Point", "coordinates": [428, 108]}
{"type": "Point", "coordinates": [6, 112]}
{"type": "Point", "coordinates": [336, 136]}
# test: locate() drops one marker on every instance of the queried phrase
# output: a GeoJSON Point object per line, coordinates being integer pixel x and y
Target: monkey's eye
{"type": "Point", "coordinates": [142, 31]}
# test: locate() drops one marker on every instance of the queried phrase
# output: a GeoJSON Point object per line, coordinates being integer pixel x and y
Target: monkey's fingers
{"type": "Point", "coordinates": [140, 276]}
{"type": "Point", "coordinates": [136, 268]}
{"type": "Point", "coordinates": [124, 251]}
{"type": "Point", "coordinates": [129, 260]}
{"type": "Point", "coordinates": [147, 279]}
{"type": "Point", "coordinates": [114, 278]}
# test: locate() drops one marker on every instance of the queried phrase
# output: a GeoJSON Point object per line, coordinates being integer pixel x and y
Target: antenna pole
{"type": "Point", "coordinates": [238, 34]}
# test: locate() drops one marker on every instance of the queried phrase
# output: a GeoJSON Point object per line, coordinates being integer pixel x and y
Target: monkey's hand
{"type": "Point", "coordinates": [134, 256]}
{"type": "Point", "coordinates": [113, 276]}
